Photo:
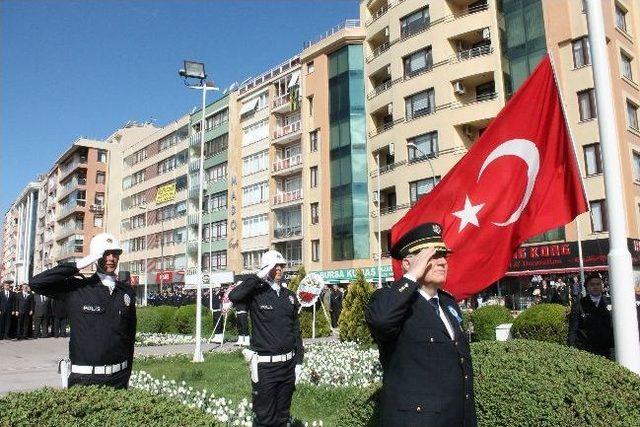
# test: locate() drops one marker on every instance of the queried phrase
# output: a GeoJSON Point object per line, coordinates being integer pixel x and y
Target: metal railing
{"type": "Point", "coordinates": [287, 163]}
{"type": "Point", "coordinates": [78, 160]}
{"type": "Point", "coordinates": [472, 53]}
{"type": "Point", "coordinates": [287, 197]}
{"type": "Point", "coordinates": [385, 127]}
{"type": "Point", "coordinates": [67, 209]}
{"type": "Point", "coordinates": [382, 11]}
{"type": "Point", "coordinates": [478, 99]}
{"type": "Point", "coordinates": [194, 139]}
{"type": "Point", "coordinates": [286, 130]}
{"type": "Point", "coordinates": [287, 232]}
{"type": "Point", "coordinates": [348, 23]}
{"type": "Point", "coordinates": [284, 99]}
{"type": "Point", "coordinates": [268, 75]}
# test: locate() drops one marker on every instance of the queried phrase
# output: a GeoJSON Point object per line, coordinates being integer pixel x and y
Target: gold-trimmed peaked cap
{"type": "Point", "coordinates": [427, 235]}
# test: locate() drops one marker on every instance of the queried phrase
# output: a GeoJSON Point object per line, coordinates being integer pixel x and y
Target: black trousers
{"type": "Point", "coordinates": [60, 327]}
{"type": "Point", "coordinates": [41, 327]}
{"type": "Point", "coordinates": [24, 325]}
{"type": "Point", "coordinates": [217, 314]}
{"type": "Point", "coordinates": [273, 392]}
{"type": "Point", "coordinates": [335, 315]}
{"type": "Point", "coordinates": [119, 380]}
{"type": "Point", "coordinates": [243, 323]}
{"type": "Point", "coordinates": [5, 325]}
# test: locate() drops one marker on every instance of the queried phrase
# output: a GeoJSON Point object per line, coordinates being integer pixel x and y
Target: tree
{"type": "Point", "coordinates": [295, 280]}
{"type": "Point", "coordinates": [352, 323]}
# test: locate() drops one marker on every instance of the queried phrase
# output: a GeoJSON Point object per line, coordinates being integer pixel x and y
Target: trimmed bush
{"type": "Point", "coordinates": [525, 383]}
{"type": "Point", "coordinates": [323, 328]}
{"type": "Point", "coordinates": [96, 406]}
{"type": "Point", "coordinates": [184, 320]}
{"type": "Point", "coordinates": [485, 319]}
{"type": "Point", "coordinates": [352, 323]}
{"type": "Point", "coordinates": [155, 319]}
{"type": "Point", "coordinates": [295, 280]}
{"type": "Point", "coordinates": [542, 322]}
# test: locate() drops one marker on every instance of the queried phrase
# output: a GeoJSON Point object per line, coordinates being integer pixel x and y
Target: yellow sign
{"type": "Point", "coordinates": [166, 193]}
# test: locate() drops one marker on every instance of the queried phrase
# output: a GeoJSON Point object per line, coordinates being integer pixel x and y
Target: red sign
{"type": "Point", "coordinates": [164, 277]}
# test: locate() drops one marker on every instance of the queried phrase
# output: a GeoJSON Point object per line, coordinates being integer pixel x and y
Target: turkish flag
{"type": "Point", "coordinates": [518, 180]}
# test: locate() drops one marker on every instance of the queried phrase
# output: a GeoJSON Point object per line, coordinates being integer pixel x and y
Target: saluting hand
{"type": "Point", "coordinates": [420, 263]}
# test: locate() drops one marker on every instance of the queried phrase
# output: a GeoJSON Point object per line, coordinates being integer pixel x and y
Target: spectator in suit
{"type": "Point", "coordinates": [336, 306]}
{"type": "Point", "coordinates": [25, 308]}
{"type": "Point", "coordinates": [59, 311]}
{"type": "Point", "coordinates": [42, 316]}
{"type": "Point", "coordinates": [7, 309]}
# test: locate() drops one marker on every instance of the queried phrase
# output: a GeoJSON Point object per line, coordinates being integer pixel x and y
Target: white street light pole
{"type": "Point", "coordinates": [624, 312]}
{"type": "Point", "coordinates": [146, 251]}
{"type": "Point", "coordinates": [196, 70]}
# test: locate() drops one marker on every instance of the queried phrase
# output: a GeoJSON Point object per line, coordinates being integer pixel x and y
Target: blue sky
{"type": "Point", "coordinates": [75, 68]}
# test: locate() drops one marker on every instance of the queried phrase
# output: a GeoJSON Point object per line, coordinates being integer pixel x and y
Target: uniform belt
{"type": "Point", "coordinates": [99, 370]}
{"type": "Point", "coordinates": [276, 358]}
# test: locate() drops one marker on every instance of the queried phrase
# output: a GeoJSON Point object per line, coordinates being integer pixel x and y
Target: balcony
{"type": "Point", "coordinates": [473, 53]}
{"type": "Point", "coordinates": [284, 104]}
{"type": "Point", "coordinates": [73, 184]}
{"type": "Point", "coordinates": [78, 161]}
{"type": "Point", "coordinates": [194, 139]}
{"type": "Point", "coordinates": [379, 50]}
{"type": "Point", "coordinates": [193, 218]}
{"type": "Point", "coordinates": [293, 263]}
{"type": "Point", "coordinates": [385, 127]}
{"type": "Point", "coordinates": [290, 232]}
{"type": "Point", "coordinates": [192, 246]}
{"type": "Point", "coordinates": [68, 230]}
{"type": "Point", "coordinates": [287, 166]}
{"type": "Point", "coordinates": [288, 197]}
{"type": "Point", "coordinates": [66, 210]}
{"type": "Point", "coordinates": [194, 165]}
{"type": "Point", "coordinates": [286, 134]}
{"type": "Point", "coordinates": [96, 208]}
{"type": "Point", "coordinates": [194, 191]}
{"type": "Point", "coordinates": [477, 99]}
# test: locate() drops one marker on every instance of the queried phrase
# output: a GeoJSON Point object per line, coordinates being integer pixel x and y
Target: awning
{"type": "Point", "coordinates": [294, 79]}
{"type": "Point", "coordinates": [556, 271]}
{"type": "Point", "coordinates": [249, 106]}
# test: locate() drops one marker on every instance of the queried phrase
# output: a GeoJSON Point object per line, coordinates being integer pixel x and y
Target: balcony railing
{"type": "Point", "coordinates": [287, 232]}
{"type": "Point", "coordinates": [385, 127]}
{"type": "Point", "coordinates": [390, 209]}
{"type": "Point", "coordinates": [287, 197]}
{"type": "Point", "coordinates": [349, 23]}
{"type": "Point", "coordinates": [79, 160]}
{"type": "Point", "coordinates": [194, 139]}
{"type": "Point", "coordinates": [287, 130]}
{"type": "Point", "coordinates": [379, 50]}
{"type": "Point", "coordinates": [287, 163]}
{"type": "Point", "coordinates": [480, 98]}
{"type": "Point", "coordinates": [68, 230]}
{"type": "Point", "coordinates": [67, 209]}
{"type": "Point", "coordinates": [382, 11]}
{"type": "Point", "coordinates": [473, 52]}
{"type": "Point", "coordinates": [292, 263]}
{"type": "Point", "coordinates": [284, 99]}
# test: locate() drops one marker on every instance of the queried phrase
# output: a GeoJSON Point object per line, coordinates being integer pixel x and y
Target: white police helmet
{"type": "Point", "coordinates": [269, 260]}
{"type": "Point", "coordinates": [100, 244]}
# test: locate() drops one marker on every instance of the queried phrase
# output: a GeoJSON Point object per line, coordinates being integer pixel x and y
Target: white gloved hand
{"type": "Point", "coordinates": [264, 271]}
{"type": "Point", "coordinates": [298, 373]}
{"type": "Point", "coordinates": [87, 261]}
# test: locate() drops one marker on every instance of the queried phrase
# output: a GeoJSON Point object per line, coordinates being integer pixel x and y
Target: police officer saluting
{"type": "Point", "coordinates": [425, 356]}
{"type": "Point", "coordinates": [102, 314]}
{"type": "Point", "coordinates": [276, 343]}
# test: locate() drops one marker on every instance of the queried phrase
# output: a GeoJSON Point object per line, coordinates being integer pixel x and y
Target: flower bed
{"type": "Point", "coordinates": [149, 339]}
{"type": "Point", "coordinates": [341, 364]}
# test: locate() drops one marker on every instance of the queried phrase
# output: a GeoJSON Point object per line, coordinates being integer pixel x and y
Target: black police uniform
{"type": "Point", "coordinates": [103, 324]}
{"type": "Point", "coordinates": [216, 308]}
{"type": "Point", "coordinates": [590, 326]}
{"type": "Point", "coordinates": [242, 319]}
{"type": "Point", "coordinates": [275, 331]}
{"type": "Point", "coordinates": [7, 308]}
{"type": "Point", "coordinates": [428, 377]}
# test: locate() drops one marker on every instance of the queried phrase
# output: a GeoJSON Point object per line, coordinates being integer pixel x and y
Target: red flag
{"type": "Point", "coordinates": [518, 180]}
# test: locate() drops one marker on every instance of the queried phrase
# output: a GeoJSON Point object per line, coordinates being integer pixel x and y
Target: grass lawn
{"type": "Point", "coordinates": [227, 375]}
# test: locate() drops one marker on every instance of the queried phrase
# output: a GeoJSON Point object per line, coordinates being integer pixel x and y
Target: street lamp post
{"type": "Point", "coordinates": [146, 251]}
{"type": "Point", "coordinates": [196, 70]}
{"type": "Point", "coordinates": [379, 223]}
{"type": "Point", "coordinates": [415, 147]}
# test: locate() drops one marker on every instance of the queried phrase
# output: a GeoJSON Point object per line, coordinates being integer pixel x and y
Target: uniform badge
{"type": "Point", "coordinates": [127, 300]}
{"type": "Point", "coordinates": [403, 287]}
{"type": "Point", "coordinates": [291, 299]}
{"type": "Point", "coordinates": [455, 314]}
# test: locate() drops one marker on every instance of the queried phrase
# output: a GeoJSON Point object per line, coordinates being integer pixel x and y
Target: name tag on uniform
{"type": "Point", "coordinates": [266, 307]}
{"type": "Point", "coordinates": [92, 309]}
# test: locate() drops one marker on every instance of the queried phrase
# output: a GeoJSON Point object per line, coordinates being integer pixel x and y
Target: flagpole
{"type": "Point", "coordinates": [579, 234]}
{"type": "Point", "coordinates": [624, 314]}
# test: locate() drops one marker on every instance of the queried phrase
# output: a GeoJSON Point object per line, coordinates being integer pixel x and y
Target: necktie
{"type": "Point", "coordinates": [434, 303]}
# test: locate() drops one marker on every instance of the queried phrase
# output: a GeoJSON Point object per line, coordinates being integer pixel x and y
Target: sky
{"type": "Point", "coordinates": [78, 68]}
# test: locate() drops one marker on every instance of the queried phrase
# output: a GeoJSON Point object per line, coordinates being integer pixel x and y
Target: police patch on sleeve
{"type": "Point", "coordinates": [127, 300]}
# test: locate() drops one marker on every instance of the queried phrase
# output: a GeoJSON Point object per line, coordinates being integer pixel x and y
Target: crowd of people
{"type": "Point", "coordinates": [25, 315]}
{"type": "Point", "coordinates": [174, 296]}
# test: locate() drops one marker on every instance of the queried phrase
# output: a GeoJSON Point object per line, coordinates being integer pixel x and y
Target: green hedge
{"type": "Point", "coordinates": [485, 319]}
{"type": "Point", "coordinates": [179, 320]}
{"type": "Point", "coordinates": [96, 406]}
{"type": "Point", "coordinates": [352, 324]}
{"type": "Point", "coordinates": [542, 322]}
{"type": "Point", "coordinates": [525, 383]}
{"type": "Point", "coordinates": [155, 319]}
{"type": "Point", "coordinates": [323, 328]}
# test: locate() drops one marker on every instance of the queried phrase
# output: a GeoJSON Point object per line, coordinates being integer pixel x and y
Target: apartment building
{"type": "Point", "coordinates": [438, 72]}
{"type": "Point", "coordinates": [45, 237]}
{"type": "Point", "coordinates": [152, 203]}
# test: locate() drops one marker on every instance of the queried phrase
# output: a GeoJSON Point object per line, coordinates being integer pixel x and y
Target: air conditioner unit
{"type": "Point", "coordinates": [486, 33]}
{"type": "Point", "coordinates": [386, 31]}
{"type": "Point", "coordinates": [458, 88]}
{"type": "Point", "coordinates": [392, 149]}
{"type": "Point", "coordinates": [390, 109]}
{"type": "Point", "coordinates": [376, 197]}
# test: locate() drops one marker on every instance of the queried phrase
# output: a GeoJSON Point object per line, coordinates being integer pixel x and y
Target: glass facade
{"type": "Point", "coordinates": [348, 155]}
{"type": "Point", "coordinates": [522, 39]}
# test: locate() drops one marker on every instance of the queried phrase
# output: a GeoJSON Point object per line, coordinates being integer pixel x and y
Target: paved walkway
{"type": "Point", "coordinates": [31, 364]}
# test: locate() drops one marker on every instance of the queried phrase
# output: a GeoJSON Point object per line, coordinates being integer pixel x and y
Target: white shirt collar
{"type": "Point", "coordinates": [443, 316]}
{"type": "Point", "coordinates": [596, 300]}
{"type": "Point", "coordinates": [108, 280]}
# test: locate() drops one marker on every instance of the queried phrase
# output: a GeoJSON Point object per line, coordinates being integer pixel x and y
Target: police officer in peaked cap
{"type": "Point", "coordinates": [425, 356]}
{"type": "Point", "coordinates": [102, 313]}
{"type": "Point", "coordinates": [276, 350]}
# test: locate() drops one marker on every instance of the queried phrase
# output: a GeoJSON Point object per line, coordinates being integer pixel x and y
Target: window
{"type": "Point", "coordinates": [314, 140]}
{"type": "Point", "coordinates": [625, 64]}
{"type": "Point", "coordinates": [216, 173]}
{"type": "Point", "coordinates": [310, 101]}
{"type": "Point", "coordinates": [632, 115]}
{"type": "Point", "coordinates": [310, 67]}
{"type": "Point", "coordinates": [419, 188]}
{"type": "Point", "coordinates": [636, 167]}
{"type": "Point", "coordinates": [99, 200]}
{"type": "Point", "coordinates": [255, 163]}
{"type": "Point", "coordinates": [137, 221]}
{"type": "Point", "coordinates": [257, 225]}
{"type": "Point", "coordinates": [215, 260]}
{"type": "Point", "coordinates": [172, 162]}
{"type": "Point", "coordinates": [98, 221]}
{"type": "Point", "coordinates": [417, 62]}
{"type": "Point", "coordinates": [255, 132]}
{"type": "Point", "coordinates": [216, 119]}
{"type": "Point", "coordinates": [214, 202]}
{"type": "Point", "coordinates": [216, 145]}
{"type": "Point", "coordinates": [102, 156]}
{"type": "Point", "coordinates": [581, 54]}
{"type": "Point", "coordinates": [315, 212]}
{"type": "Point", "coordinates": [598, 216]}
{"type": "Point", "coordinates": [252, 260]}
{"type": "Point", "coordinates": [256, 193]}
{"type": "Point", "coordinates": [414, 22]}
{"type": "Point", "coordinates": [168, 142]}
{"type": "Point", "coordinates": [592, 159]}
{"type": "Point", "coordinates": [587, 105]}
{"type": "Point", "coordinates": [420, 104]}
{"type": "Point", "coordinates": [315, 250]}
{"type": "Point", "coordinates": [313, 176]}
{"type": "Point", "coordinates": [217, 230]}
{"type": "Point", "coordinates": [427, 146]}
{"type": "Point", "coordinates": [100, 177]}
{"type": "Point", "coordinates": [621, 18]}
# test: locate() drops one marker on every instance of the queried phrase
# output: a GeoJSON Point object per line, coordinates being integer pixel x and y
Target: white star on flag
{"type": "Point", "coordinates": [468, 215]}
